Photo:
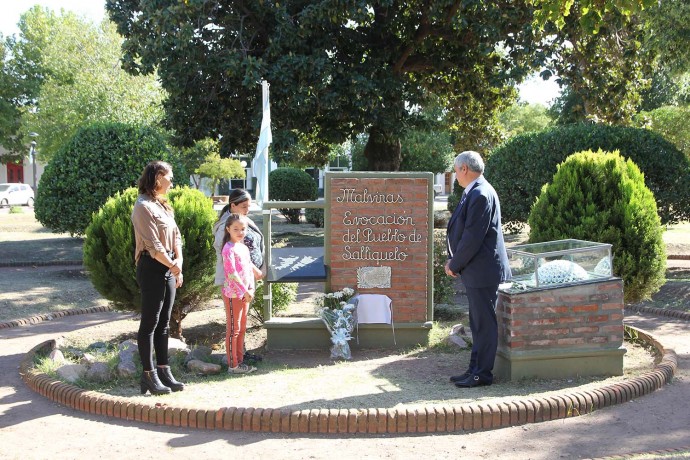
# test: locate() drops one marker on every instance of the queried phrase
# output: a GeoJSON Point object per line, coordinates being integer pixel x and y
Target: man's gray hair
{"type": "Point", "coordinates": [472, 159]}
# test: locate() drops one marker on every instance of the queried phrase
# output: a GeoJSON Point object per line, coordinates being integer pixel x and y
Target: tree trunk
{"type": "Point", "coordinates": [383, 150]}
{"type": "Point", "coordinates": [176, 318]}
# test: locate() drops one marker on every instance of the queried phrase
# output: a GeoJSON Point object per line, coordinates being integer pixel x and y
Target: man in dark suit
{"type": "Point", "coordinates": [477, 253]}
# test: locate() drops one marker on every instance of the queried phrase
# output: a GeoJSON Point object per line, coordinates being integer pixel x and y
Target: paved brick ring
{"type": "Point", "coordinates": [432, 418]}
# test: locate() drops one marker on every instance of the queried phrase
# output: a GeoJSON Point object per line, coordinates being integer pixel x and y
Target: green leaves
{"type": "Point", "coordinates": [599, 196]}
{"type": "Point", "coordinates": [109, 249]}
{"type": "Point", "coordinates": [519, 168]}
{"type": "Point", "coordinates": [336, 69]}
{"type": "Point", "coordinates": [216, 168]}
{"type": "Point", "coordinates": [99, 161]}
{"type": "Point", "coordinates": [592, 12]}
{"type": "Point", "coordinates": [64, 73]}
{"type": "Point", "coordinates": [291, 184]}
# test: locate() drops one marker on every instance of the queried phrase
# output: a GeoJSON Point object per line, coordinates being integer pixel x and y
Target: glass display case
{"type": "Point", "coordinates": [558, 263]}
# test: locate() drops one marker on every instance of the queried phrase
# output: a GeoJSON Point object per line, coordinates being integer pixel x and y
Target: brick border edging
{"type": "Point", "coordinates": [660, 312]}
{"type": "Point", "coordinates": [51, 316]}
{"type": "Point", "coordinates": [432, 418]}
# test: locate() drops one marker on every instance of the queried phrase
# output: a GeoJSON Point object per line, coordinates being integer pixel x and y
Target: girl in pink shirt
{"type": "Point", "coordinates": [238, 291]}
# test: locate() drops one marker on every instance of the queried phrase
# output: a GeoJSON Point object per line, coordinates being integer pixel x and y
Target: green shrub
{"type": "Point", "coordinates": [283, 294]}
{"type": "Point", "coordinates": [291, 184]}
{"type": "Point", "coordinates": [454, 198]}
{"type": "Point", "coordinates": [602, 197]}
{"type": "Point", "coordinates": [109, 251]}
{"type": "Point", "coordinates": [444, 290]}
{"type": "Point", "coordinates": [519, 168]}
{"type": "Point", "coordinates": [314, 216]}
{"type": "Point", "coordinates": [100, 160]}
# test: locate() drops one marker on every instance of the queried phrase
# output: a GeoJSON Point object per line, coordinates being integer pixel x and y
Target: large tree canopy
{"type": "Point", "coordinates": [336, 68]}
{"type": "Point", "coordinates": [633, 62]}
{"type": "Point", "coordinates": [10, 113]}
{"type": "Point", "coordinates": [667, 25]}
{"type": "Point", "coordinates": [21, 74]}
{"type": "Point", "coordinates": [604, 71]}
{"type": "Point", "coordinates": [63, 72]}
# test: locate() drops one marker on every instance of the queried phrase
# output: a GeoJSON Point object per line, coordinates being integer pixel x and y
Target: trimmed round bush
{"type": "Point", "coordinates": [314, 216]}
{"type": "Point", "coordinates": [291, 184]}
{"type": "Point", "coordinates": [100, 160]}
{"type": "Point", "coordinates": [519, 168]}
{"type": "Point", "coordinates": [599, 196]}
{"type": "Point", "coordinates": [109, 252]}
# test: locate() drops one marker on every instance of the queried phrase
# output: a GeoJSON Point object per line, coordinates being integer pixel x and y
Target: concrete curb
{"type": "Point", "coordinates": [39, 263]}
{"type": "Point", "coordinates": [664, 453]}
{"type": "Point", "coordinates": [51, 316]}
{"type": "Point", "coordinates": [432, 418]}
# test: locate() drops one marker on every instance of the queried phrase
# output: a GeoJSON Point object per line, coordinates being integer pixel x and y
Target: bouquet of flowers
{"type": "Point", "coordinates": [338, 315]}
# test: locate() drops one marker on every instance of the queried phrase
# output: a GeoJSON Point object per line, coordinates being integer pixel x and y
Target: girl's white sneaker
{"type": "Point", "coordinates": [241, 369]}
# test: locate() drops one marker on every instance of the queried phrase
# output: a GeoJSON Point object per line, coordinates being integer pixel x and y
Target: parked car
{"type": "Point", "coordinates": [16, 194]}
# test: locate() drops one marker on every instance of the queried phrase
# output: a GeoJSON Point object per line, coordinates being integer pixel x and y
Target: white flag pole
{"type": "Point", "coordinates": [262, 161]}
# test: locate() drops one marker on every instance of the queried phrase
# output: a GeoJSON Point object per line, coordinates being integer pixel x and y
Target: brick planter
{"type": "Point", "coordinates": [561, 332]}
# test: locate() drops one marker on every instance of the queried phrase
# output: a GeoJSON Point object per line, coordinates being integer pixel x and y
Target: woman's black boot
{"type": "Point", "coordinates": [151, 382]}
{"type": "Point", "coordinates": [168, 380]}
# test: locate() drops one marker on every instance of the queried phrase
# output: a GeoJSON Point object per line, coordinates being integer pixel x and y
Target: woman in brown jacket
{"type": "Point", "coordinates": [158, 257]}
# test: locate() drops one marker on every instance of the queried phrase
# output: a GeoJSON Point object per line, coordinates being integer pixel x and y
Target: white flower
{"type": "Point", "coordinates": [340, 336]}
{"type": "Point", "coordinates": [348, 291]}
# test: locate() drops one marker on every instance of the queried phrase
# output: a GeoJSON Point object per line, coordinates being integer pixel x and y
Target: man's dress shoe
{"type": "Point", "coordinates": [472, 381]}
{"type": "Point", "coordinates": [458, 378]}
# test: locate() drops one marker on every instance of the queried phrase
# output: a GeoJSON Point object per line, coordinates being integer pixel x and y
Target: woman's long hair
{"type": "Point", "coordinates": [148, 181]}
{"type": "Point", "coordinates": [237, 196]}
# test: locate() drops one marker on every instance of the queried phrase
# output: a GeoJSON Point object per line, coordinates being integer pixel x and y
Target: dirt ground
{"type": "Point", "coordinates": [34, 427]}
{"type": "Point", "coordinates": [373, 378]}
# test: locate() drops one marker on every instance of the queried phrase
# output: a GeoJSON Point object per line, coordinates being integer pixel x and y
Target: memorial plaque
{"type": "Point", "coordinates": [380, 227]}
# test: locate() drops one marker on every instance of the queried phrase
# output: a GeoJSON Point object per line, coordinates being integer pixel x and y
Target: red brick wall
{"type": "Point", "coordinates": [586, 316]}
{"type": "Point", "coordinates": [403, 205]}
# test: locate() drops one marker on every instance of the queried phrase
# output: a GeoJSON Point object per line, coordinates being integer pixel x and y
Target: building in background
{"type": "Point", "coordinates": [20, 173]}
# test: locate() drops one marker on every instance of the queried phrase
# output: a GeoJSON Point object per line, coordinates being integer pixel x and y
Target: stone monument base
{"type": "Point", "coordinates": [555, 364]}
{"type": "Point", "coordinates": [311, 334]}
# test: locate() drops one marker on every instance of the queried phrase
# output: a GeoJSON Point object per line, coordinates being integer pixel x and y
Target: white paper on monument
{"type": "Point", "coordinates": [373, 309]}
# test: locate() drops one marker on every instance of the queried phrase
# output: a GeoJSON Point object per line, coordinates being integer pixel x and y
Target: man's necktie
{"type": "Point", "coordinates": [462, 198]}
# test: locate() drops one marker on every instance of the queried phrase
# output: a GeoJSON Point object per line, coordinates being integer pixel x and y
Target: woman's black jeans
{"type": "Point", "coordinates": [157, 296]}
